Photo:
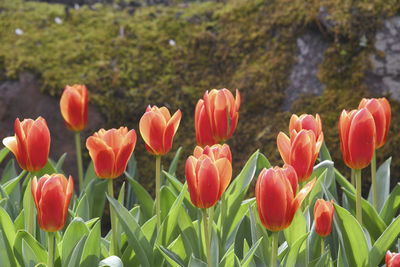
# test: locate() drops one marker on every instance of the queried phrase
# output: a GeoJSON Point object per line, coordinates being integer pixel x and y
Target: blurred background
{"type": "Point", "coordinates": [284, 56]}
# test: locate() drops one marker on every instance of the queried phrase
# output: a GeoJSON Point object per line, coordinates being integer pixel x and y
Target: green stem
{"type": "Point", "coordinates": [373, 174]}
{"type": "Point", "coordinates": [358, 200]}
{"type": "Point", "coordinates": [51, 240]}
{"type": "Point", "coordinates": [322, 245]}
{"type": "Point", "coordinates": [207, 236]}
{"type": "Point", "coordinates": [114, 243]}
{"type": "Point", "coordinates": [31, 211]}
{"type": "Point", "coordinates": [223, 212]}
{"type": "Point", "coordinates": [274, 249]}
{"type": "Point", "coordinates": [211, 219]}
{"type": "Point", "coordinates": [158, 174]}
{"type": "Point", "coordinates": [79, 159]}
{"type": "Point", "coordinates": [353, 181]}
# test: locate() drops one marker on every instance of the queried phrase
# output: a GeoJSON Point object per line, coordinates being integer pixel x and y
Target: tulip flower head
{"type": "Point", "coordinates": [380, 110]}
{"type": "Point", "coordinates": [323, 216]}
{"type": "Point", "coordinates": [300, 151]}
{"type": "Point", "coordinates": [110, 151]}
{"type": "Point", "coordinates": [357, 137]}
{"type": "Point", "coordinates": [307, 122]}
{"type": "Point", "coordinates": [216, 116]}
{"type": "Point", "coordinates": [74, 107]}
{"type": "Point", "coordinates": [30, 144]}
{"type": "Point", "coordinates": [208, 173]}
{"type": "Point", "coordinates": [158, 128]}
{"type": "Point", "coordinates": [52, 195]}
{"type": "Point", "coordinates": [392, 259]}
{"type": "Point", "coordinates": [276, 196]}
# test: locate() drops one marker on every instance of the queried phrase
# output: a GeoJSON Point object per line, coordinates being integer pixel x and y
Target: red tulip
{"type": "Point", "coordinates": [52, 195]}
{"type": "Point", "coordinates": [380, 110]}
{"type": "Point", "coordinates": [74, 107]}
{"type": "Point", "coordinates": [323, 216]}
{"type": "Point", "coordinates": [158, 128]}
{"type": "Point", "coordinates": [392, 259]}
{"type": "Point", "coordinates": [300, 151]}
{"type": "Point", "coordinates": [357, 137]}
{"type": "Point", "coordinates": [110, 151]}
{"type": "Point", "coordinates": [307, 122]}
{"type": "Point", "coordinates": [208, 173]}
{"type": "Point", "coordinates": [216, 116]}
{"type": "Point", "coordinates": [276, 197]}
{"type": "Point", "coordinates": [30, 144]}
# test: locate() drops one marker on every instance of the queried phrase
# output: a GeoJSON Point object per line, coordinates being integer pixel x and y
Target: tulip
{"type": "Point", "coordinates": [392, 259]}
{"type": "Point", "coordinates": [323, 216]}
{"type": "Point", "coordinates": [110, 151]}
{"type": "Point", "coordinates": [277, 201]}
{"type": "Point", "coordinates": [30, 144]}
{"type": "Point", "coordinates": [300, 151]}
{"type": "Point", "coordinates": [74, 107]}
{"type": "Point", "coordinates": [307, 122]}
{"type": "Point", "coordinates": [216, 116]}
{"type": "Point", "coordinates": [215, 152]}
{"type": "Point", "coordinates": [380, 110]}
{"type": "Point", "coordinates": [158, 128]}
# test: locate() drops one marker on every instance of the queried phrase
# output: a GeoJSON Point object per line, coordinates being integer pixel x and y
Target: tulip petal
{"type": "Point", "coordinates": [165, 113]}
{"type": "Point", "coordinates": [170, 130]}
{"type": "Point", "coordinates": [72, 108]}
{"type": "Point", "coordinates": [192, 180]}
{"type": "Point", "coordinates": [203, 126]}
{"type": "Point", "coordinates": [301, 196]}
{"type": "Point", "coordinates": [102, 156]}
{"type": "Point", "coordinates": [301, 154]}
{"type": "Point", "coordinates": [208, 183]}
{"type": "Point", "coordinates": [38, 144]}
{"type": "Point", "coordinates": [224, 168]}
{"type": "Point", "coordinates": [283, 143]}
{"type": "Point", "coordinates": [221, 116]}
{"type": "Point", "coordinates": [152, 126]}
{"type": "Point", "coordinates": [125, 152]}
{"type": "Point", "coordinates": [11, 143]}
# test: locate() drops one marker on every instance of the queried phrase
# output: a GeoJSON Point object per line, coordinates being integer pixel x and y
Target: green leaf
{"type": "Point", "coordinates": [36, 247]}
{"type": "Point", "coordinates": [353, 239]}
{"type": "Point", "coordinates": [174, 162]}
{"type": "Point", "coordinates": [382, 184]}
{"type": "Point", "coordinates": [384, 242]}
{"type": "Point", "coordinates": [249, 255]}
{"type": "Point", "coordinates": [195, 262]}
{"type": "Point", "coordinates": [7, 237]}
{"type": "Point", "coordinates": [82, 209]}
{"type": "Point", "coordinates": [145, 200]}
{"type": "Point", "coordinates": [9, 171]}
{"type": "Point", "coordinates": [91, 251]}
{"type": "Point", "coordinates": [30, 258]}
{"type": "Point", "coordinates": [189, 234]}
{"type": "Point", "coordinates": [73, 234]}
{"type": "Point", "coordinates": [167, 199]}
{"type": "Point", "coordinates": [391, 205]}
{"type": "Point", "coordinates": [77, 252]}
{"type": "Point", "coordinates": [10, 185]}
{"type": "Point", "coordinates": [258, 232]}
{"type": "Point", "coordinates": [96, 197]}
{"type": "Point", "coordinates": [112, 261]}
{"type": "Point", "coordinates": [297, 229]}
{"type": "Point", "coordinates": [90, 175]}
{"type": "Point", "coordinates": [293, 253]}
{"type": "Point", "coordinates": [47, 169]}
{"type": "Point", "coordinates": [60, 163]}
{"type": "Point", "coordinates": [3, 153]}
{"type": "Point", "coordinates": [324, 153]}
{"type": "Point", "coordinates": [172, 258]}
{"type": "Point", "coordinates": [344, 182]}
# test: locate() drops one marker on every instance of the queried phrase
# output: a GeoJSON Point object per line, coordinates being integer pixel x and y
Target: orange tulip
{"type": "Point", "coordinates": [357, 137]}
{"type": "Point", "coordinates": [300, 151]}
{"type": "Point", "coordinates": [30, 144]}
{"type": "Point", "coordinates": [110, 151]}
{"type": "Point", "coordinates": [392, 259]}
{"type": "Point", "coordinates": [380, 110]}
{"type": "Point", "coordinates": [52, 195]}
{"type": "Point", "coordinates": [74, 107]}
{"type": "Point", "coordinates": [208, 173]}
{"type": "Point", "coordinates": [323, 216]}
{"type": "Point", "coordinates": [276, 197]}
{"type": "Point", "coordinates": [158, 128]}
{"type": "Point", "coordinates": [307, 122]}
{"type": "Point", "coordinates": [216, 116]}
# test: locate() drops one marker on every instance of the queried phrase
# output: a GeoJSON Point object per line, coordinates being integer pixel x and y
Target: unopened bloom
{"type": "Point", "coordinates": [392, 259]}
{"type": "Point", "coordinates": [208, 173]}
{"type": "Point", "coordinates": [300, 151]}
{"type": "Point", "coordinates": [30, 144]}
{"type": "Point", "coordinates": [74, 107]}
{"type": "Point", "coordinates": [52, 195]}
{"type": "Point", "coordinates": [357, 137]}
{"type": "Point", "coordinates": [307, 122]}
{"type": "Point", "coordinates": [216, 116]}
{"type": "Point", "coordinates": [158, 128]}
{"type": "Point", "coordinates": [110, 151]}
{"type": "Point", "coordinates": [380, 110]}
{"type": "Point", "coordinates": [276, 196]}
{"type": "Point", "coordinates": [323, 216]}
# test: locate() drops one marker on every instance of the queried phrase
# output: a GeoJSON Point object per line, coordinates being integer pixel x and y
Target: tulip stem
{"type": "Point", "coordinates": [358, 199]}
{"type": "Point", "coordinates": [353, 181]}
{"type": "Point", "coordinates": [207, 236]}
{"type": "Point", "coordinates": [373, 174]}
{"type": "Point", "coordinates": [158, 174]}
{"type": "Point", "coordinates": [79, 159]}
{"type": "Point", "coordinates": [274, 249]}
{"type": "Point", "coordinates": [322, 245]}
{"type": "Point", "coordinates": [50, 257]}
{"type": "Point", "coordinates": [31, 212]}
{"type": "Point", "coordinates": [114, 244]}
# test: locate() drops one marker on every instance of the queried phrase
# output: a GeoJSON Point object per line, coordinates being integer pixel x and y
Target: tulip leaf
{"type": "Point", "coordinates": [47, 169]}
{"type": "Point", "coordinates": [95, 195]}
{"type": "Point", "coordinates": [30, 258]}
{"type": "Point", "coordinates": [36, 247]}
{"type": "Point", "coordinates": [249, 255]}
{"type": "Point", "coordinates": [296, 229]}
{"type": "Point", "coordinates": [382, 184]}
{"type": "Point", "coordinates": [195, 262]}
{"type": "Point", "coordinates": [91, 250]}
{"type": "Point", "coordinates": [134, 233]}
{"type": "Point", "coordinates": [73, 234]}
{"type": "Point", "coordinates": [172, 258]}
{"type": "Point", "coordinates": [391, 205]}
{"type": "Point", "coordinates": [112, 261]}
{"type": "Point", "coordinates": [90, 175]}
{"type": "Point", "coordinates": [82, 209]}
{"type": "Point", "coordinates": [324, 152]}
{"type": "Point", "coordinates": [384, 242]}
{"type": "Point", "coordinates": [3, 153]}
{"type": "Point", "coordinates": [174, 163]}
{"type": "Point", "coordinates": [9, 172]}
{"type": "Point", "coordinates": [60, 163]}
{"type": "Point", "coordinates": [77, 252]}
{"type": "Point", "coordinates": [11, 184]}
{"type": "Point", "coordinates": [343, 182]}
{"type": "Point", "coordinates": [293, 253]}
{"type": "Point", "coordinates": [189, 234]}
{"type": "Point", "coordinates": [145, 200]}
{"type": "Point", "coordinates": [353, 239]}
{"type": "Point", "coordinates": [7, 237]}
{"type": "Point", "coordinates": [167, 198]}
{"type": "Point", "coordinates": [258, 232]}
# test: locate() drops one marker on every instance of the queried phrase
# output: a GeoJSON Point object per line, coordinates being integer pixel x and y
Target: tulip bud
{"type": "Point", "coordinates": [307, 122]}
{"type": "Point", "coordinates": [216, 116]}
{"type": "Point", "coordinates": [357, 137]}
{"type": "Point", "coordinates": [158, 128]}
{"type": "Point", "coordinates": [30, 144]}
{"type": "Point", "coordinates": [276, 197]}
{"type": "Point", "coordinates": [380, 110]}
{"type": "Point", "coordinates": [323, 216]}
{"type": "Point", "coordinates": [208, 173]}
{"type": "Point", "coordinates": [300, 151]}
{"type": "Point", "coordinates": [110, 151]}
{"type": "Point", "coordinates": [392, 259]}
{"type": "Point", "coordinates": [52, 195]}
{"type": "Point", "coordinates": [74, 107]}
